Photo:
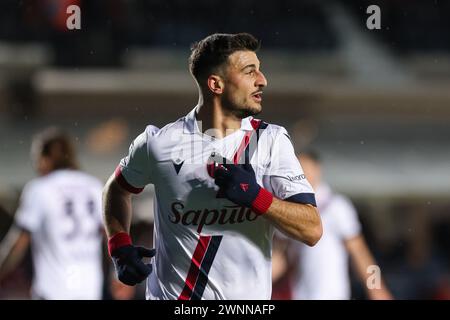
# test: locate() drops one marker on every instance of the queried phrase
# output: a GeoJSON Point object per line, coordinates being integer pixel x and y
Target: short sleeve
{"type": "Point", "coordinates": [286, 176]}
{"type": "Point", "coordinates": [347, 222]}
{"type": "Point", "coordinates": [29, 215]}
{"type": "Point", "coordinates": [134, 171]}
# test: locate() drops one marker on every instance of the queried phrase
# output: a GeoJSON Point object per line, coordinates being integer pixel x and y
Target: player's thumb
{"type": "Point", "coordinates": [144, 252]}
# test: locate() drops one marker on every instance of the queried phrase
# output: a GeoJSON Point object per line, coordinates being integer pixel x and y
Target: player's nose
{"type": "Point", "coordinates": [261, 80]}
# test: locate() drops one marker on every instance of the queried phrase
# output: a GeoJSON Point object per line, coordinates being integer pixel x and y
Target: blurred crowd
{"type": "Point", "coordinates": [111, 27]}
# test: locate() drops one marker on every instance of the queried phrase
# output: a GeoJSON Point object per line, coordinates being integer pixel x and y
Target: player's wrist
{"type": "Point", "coordinates": [117, 241]}
{"type": "Point", "coordinates": [262, 202]}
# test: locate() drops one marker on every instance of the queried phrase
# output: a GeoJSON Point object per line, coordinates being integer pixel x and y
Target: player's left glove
{"type": "Point", "coordinates": [238, 183]}
{"type": "Point", "coordinates": [127, 259]}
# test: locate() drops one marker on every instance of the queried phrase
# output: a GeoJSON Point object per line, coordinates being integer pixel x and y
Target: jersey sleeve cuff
{"type": "Point", "coordinates": [124, 183]}
{"type": "Point", "coordinates": [303, 198]}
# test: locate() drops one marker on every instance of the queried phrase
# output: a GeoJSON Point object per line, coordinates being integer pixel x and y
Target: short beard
{"type": "Point", "coordinates": [239, 111]}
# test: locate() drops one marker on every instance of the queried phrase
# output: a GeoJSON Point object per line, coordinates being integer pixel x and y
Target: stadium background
{"type": "Point", "coordinates": [375, 103]}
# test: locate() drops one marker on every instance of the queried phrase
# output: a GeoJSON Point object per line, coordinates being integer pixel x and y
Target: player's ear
{"type": "Point", "coordinates": [215, 84]}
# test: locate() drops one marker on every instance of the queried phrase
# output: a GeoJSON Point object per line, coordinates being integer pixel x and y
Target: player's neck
{"type": "Point", "coordinates": [214, 120]}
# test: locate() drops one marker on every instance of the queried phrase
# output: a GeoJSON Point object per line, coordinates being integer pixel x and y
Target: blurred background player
{"type": "Point", "coordinates": [60, 217]}
{"type": "Point", "coordinates": [323, 270]}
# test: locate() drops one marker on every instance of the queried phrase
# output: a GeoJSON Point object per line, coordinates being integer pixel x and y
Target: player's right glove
{"type": "Point", "coordinates": [127, 259]}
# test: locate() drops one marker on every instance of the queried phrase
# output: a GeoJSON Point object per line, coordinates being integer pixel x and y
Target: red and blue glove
{"type": "Point", "coordinates": [127, 259]}
{"type": "Point", "coordinates": [237, 182]}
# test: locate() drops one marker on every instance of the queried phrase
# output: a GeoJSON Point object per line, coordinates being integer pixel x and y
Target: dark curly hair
{"type": "Point", "coordinates": [212, 52]}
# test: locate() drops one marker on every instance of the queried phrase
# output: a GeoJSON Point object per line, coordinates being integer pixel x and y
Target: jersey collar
{"type": "Point", "coordinates": [191, 127]}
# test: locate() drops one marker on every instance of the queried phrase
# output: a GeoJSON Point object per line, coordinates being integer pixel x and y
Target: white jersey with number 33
{"type": "Point", "coordinates": [62, 212]}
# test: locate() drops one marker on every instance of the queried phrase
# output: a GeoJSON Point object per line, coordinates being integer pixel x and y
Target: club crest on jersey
{"type": "Point", "coordinates": [205, 217]}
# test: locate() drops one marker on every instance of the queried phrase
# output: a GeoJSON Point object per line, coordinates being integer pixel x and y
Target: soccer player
{"type": "Point", "coordinates": [223, 180]}
{"type": "Point", "coordinates": [323, 271]}
{"type": "Point", "coordinates": [60, 217]}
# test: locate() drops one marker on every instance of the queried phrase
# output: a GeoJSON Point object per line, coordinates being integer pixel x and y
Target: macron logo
{"type": "Point", "coordinates": [244, 187]}
{"type": "Point", "coordinates": [177, 166]}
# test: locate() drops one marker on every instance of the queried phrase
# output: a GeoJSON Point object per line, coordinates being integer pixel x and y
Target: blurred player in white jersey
{"type": "Point", "coordinates": [223, 180]}
{"type": "Point", "coordinates": [60, 217]}
{"type": "Point", "coordinates": [323, 270]}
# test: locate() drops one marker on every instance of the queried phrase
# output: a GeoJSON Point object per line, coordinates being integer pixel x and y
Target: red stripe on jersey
{"type": "Point", "coordinates": [246, 140]}
{"type": "Point", "coordinates": [194, 269]}
{"type": "Point", "coordinates": [244, 143]}
{"type": "Point", "coordinates": [124, 183]}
